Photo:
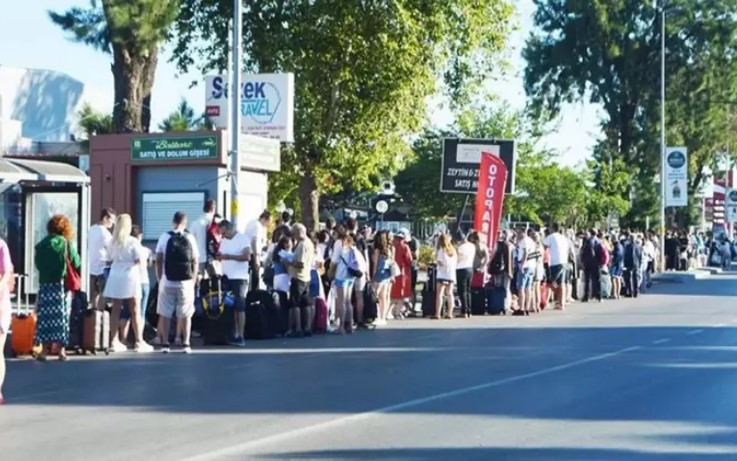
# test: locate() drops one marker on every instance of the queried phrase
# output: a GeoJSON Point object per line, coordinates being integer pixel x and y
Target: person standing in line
{"type": "Point", "coordinates": [53, 300]}
{"type": "Point", "coordinates": [402, 284]}
{"type": "Point", "coordinates": [177, 262]}
{"type": "Point", "coordinates": [359, 284]}
{"type": "Point", "coordinates": [124, 283]}
{"type": "Point", "coordinates": [382, 277]}
{"type": "Point", "coordinates": [143, 265]}
{"type": "Point", "coordinates": [6, 285]}
{"type": "Point", "coordinates": [632, 264]}
{"type": "Point", "coordinates": [538, 255]}
{"type": "Point", "coordinates": [199, 231]}
{"type": "Point", "coordinates": [303, 310]}
{"type": "Point", "coordinates": [414, 247]}
{"type": "Point", "coordinates": [617, 271]}
{"type": "Point", "coordinates": [446, 278]}
{"type": "Point", "coordinates": [591, 261]}
{"type": "Point", "coordinates": [649, 255]}
{"type": "Point", "coordinates": [527, 266]}
{"type": "Point", "coordinates": [559, 253]}
{"type": "Point", "coordinates": [257, 234]}
{"type": "Point", "coordinates": [98, 239]}
{"type": "Point", "coordinates": [464, 271]}
{"type": "Point", "coordinates": [350, 263]}
{"type": "Point", "coordinates": [235, 253]}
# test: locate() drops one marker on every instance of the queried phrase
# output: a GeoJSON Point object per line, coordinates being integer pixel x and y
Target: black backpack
{"type": "Point", "coordinates": [498, 262]}
{"type": "Point", "coordinates": [178, 258]}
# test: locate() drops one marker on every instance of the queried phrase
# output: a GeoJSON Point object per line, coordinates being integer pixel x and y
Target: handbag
{"type": "Point", "coordinates": [72, 281]}
{"type": "Point", "coordinates": [353, 272]}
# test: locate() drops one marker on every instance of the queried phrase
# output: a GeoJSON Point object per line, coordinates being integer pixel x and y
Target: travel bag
{"type": "Point", "coordinates": [23, 328]}
{"type": "Point", "coordinates": [496, 299]}
{"type": "Point", "coordinates": [76, 320]}
{"type": "Point", "coordinates": [370, 304]}
{"type": "Point", "coordinates": [478, 301]}
{"type": "Point", "coordinates": [320, 324]}
{"type": "Point", "coordinates": [96, 331]}
{"type": "Point", "coordinates": [261, 315]}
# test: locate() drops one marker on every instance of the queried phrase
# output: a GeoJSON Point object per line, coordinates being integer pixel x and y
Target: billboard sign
{"type": "Point", "coordinates": [462, 159]}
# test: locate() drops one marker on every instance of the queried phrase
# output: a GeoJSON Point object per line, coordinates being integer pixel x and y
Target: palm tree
{"type": "Point", "coordinates": [184, 119]}
{"type": "Point", "coordinates": [93, 123]}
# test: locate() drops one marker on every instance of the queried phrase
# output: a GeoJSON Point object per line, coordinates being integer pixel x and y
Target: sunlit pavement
{"type": "Point", "coordinates": [648, 379]}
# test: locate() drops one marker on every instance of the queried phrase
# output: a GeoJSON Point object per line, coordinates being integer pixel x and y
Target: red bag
{"type": "Point", "coordinates": [321, 316]}
{"type": "Point", "coordinates": [478, 280]}
{"type": "Point", "coordinates": [72, 281]}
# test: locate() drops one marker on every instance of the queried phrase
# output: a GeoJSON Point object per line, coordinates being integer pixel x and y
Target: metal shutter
{"type": "Point", "coordinates": [159, 209]}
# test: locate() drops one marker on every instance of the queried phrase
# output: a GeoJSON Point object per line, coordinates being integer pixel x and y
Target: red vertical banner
{"type": "Point", "coordinates": [490, 197]}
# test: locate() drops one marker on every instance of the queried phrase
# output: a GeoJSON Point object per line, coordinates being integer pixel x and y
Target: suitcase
{"type": "Point", "coordinates": [23, 329]}
{"type": "Point", "coordinates": [217, 327]}
{"type": "Point", "coordinates": [478, 280]}
{"type": "Point", "coordinates": [496, 297]}
{"type": "Point", "coordinates": [320, 324]}
{"type": "Point", "coordinates": [543, 295]}
{"type": "Point", "coordinates": [96, 332]}
{"type": "Point", "coordinates": [370, 304]}
{"type": "Point", "coordinates": [478, 301]}
{"type": "Point", "coordinates": [261, 315]}
{"type": "Point", "coordinates": [80, 305]}
{"type": "Point", "coordinates": [428, 301]}
{"type": "Point", "coordinates": [606, 286]}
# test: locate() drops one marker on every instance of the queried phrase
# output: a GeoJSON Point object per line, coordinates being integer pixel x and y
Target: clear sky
{"type": "Point", "coordinates": [29, 39]}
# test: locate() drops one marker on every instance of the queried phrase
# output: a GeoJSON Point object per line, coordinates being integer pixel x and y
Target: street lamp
{"type": "Point", "coordinates": [662, 135]}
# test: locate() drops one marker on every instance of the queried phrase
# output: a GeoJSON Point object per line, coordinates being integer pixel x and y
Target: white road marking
{"type": "Point", "coordinates": [694, 332]}
{"type": "Point", "coordinates": [719, 325]}
{"type": "Point", "coordinates": [239, 449]}
{"type": "Point", "coordinates": [661, 341]}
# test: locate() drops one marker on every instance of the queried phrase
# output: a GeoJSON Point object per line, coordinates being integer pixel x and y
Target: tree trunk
{"type": "Point", "coordinates": [128, 73]}
{"type": "Point", "coordinates": [149, 73]}
{"type": "Point", "coordinates": [309, 195]}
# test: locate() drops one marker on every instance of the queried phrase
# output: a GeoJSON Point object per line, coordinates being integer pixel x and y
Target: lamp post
{"type": "Point", "coordinates": [235, 109]}
{"type": "Point", "coordinates": [662, 135]}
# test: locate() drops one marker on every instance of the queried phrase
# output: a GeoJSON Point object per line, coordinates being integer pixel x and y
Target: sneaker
{"type": "Point", "coordinates": [144, 348]}
{"type": "Point", "coordinates": [117, 346]}
{"type": "Point", "coordinates": [380, 322]}
{"type": "Point", "coordinates": [237, 342]}
{"type": "Point", "coordinates": [165, 349]}
{"type": "Point", "coordinates": [187, 349]}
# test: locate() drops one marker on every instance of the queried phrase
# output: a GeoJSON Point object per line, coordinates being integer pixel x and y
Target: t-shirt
{"type": "Point", "coordinates": [304, 253]}
{"type": "Point", "coordinates": [466, 253]}
{"type": "Point", "coordinates": [198, 230]}
{"type": "Point", "coordinates": [235, 270]}
{"type": "Point", "coordinates": [98, 240]}
{"type": "Point", "coordinates": [161, 253]}
{"type": "Point", "coordinates": [145, 255]}
{"type": "Point", "coordinates": [447, 265]}
{"type": "Point", "coordinates": [256, 230]}
{"type": "Point", "coordinates": [559, 249]}
{"type": "Point", "coordinates": [529, 246]}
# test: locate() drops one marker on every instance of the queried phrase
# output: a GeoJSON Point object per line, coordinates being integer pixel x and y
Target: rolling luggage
{"type": "Point", "coordinates": [96, 332]}
{"type": "Point", "coordinates": [217, 319]}
{"type": "Point", "coordinates": [428, 301]}
{"type": "Point", "coordinates": [23, 328]}
{"type": "Point", "coordinates": [370, 304]}
{"type": "Point", "coordinates": [478, 280]}
{"type": "Point", "coordinates": [606, 286]}
{"type": "Point", "coordinates": [320, 325]}
{"type": "Point", "coordinates": [261, 315]}
{"type": "Point", "coordinates": [478, 301]}
{"type": "Point", "coordinates": [496, 299]}
{"type": "Point", "coordinates": [76, 320]}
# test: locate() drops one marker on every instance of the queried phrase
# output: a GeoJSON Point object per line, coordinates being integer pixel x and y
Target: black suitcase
{"type": "Point", "coordinates": [261, 315]}
{"type": "Point", "coordinates": [478, 301]}
{"type": "Point", "coordinates": [496, 297]}
{"type": "Point", "coordinates": [428, 301]}
{"type": "Point", "coordinates": [281, 309]}
{"type": "Point", "coordinates": [76, 320]}
{"type": "Point", "coordinates": [370, 304]}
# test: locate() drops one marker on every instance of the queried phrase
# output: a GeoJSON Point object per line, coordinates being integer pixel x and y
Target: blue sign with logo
{"type": "Point", "coordinates": [260, 101]}
{"type": "Point", "coordinates": [676, 159]}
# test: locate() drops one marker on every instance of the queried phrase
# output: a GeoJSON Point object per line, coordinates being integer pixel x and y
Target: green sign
{"type": "Point", "coordinates": [163, 149]}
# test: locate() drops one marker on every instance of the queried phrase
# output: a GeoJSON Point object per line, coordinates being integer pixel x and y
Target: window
{"type": "Point", "coordinates": [159, 209]}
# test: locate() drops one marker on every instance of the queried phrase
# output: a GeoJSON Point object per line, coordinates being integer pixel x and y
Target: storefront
{"type": "Point", "coordinates": [31, 192]}
{"type": "Point", "coordinates": [152, 176]}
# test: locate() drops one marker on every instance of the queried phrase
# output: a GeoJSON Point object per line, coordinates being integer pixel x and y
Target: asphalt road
{"type": "Point", "coordinates": [647, 379]}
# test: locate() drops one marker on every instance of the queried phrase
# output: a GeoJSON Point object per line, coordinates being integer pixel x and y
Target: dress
{"type": "Point", "coordinates": [124, 281]}
{"type": "Point", "coordinates": [402, 285]}
{"type": "Point", "coordinates": [53, 301]}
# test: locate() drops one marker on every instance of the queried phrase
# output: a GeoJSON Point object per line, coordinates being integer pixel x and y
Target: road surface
{"type": "Point", "coordinates": [651, 379]}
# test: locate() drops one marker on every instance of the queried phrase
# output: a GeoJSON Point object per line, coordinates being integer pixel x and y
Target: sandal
{"type": "Point", "coordinates": [42, 358]}
{"type": "Point", "coordinates": [63, 357]}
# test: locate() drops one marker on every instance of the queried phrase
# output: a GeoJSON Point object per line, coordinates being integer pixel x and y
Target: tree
{"type": "Point", "coordinates": [93, 123]}
{"type": "Point", "coordinates": [364, 70]}
{"type": "Point", "coordinates": [608, 53]}
{"type": "Point", "coordinates": [132, 31]}
{"type": "Point", "coordinates": [184, 119]}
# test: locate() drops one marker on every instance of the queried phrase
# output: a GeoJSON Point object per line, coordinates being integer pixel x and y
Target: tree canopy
{"type": "Point", "coordinates": [184, 119]}
{"type": "Point", "coordinates": [364, 70]}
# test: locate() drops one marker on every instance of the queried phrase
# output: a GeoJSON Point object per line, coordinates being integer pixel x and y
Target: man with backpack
{"type": "Point", "coordinates": [591, 258]}
{"type": "Point", "coordinates": [632, 264]}
{"type": "Point", "coordinates": [177, 259]}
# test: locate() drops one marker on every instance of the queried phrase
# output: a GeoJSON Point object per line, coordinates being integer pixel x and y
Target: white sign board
{"type": "Point", "coordinates": [260, 154]}
{"type": "Point", "coordinates": [676, 176]}
{"type": "Point", "coordinates": [267, 104]}
{"type": "Point", "coordinates": [730, 204]}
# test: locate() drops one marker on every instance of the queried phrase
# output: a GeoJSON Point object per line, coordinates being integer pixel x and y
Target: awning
{"type": "Point", "coordinates": [14, 170]}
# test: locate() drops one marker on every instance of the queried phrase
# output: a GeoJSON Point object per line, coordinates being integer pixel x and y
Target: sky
{"type": "Point", "coordinates": [29, 39]}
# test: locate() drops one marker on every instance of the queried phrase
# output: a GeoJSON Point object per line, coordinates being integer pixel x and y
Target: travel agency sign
{"type": "Point", "coordinates": [267, 104]}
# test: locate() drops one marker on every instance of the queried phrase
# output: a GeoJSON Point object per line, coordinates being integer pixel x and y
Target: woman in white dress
{"type": "Point", "coordinates": [124, 282]}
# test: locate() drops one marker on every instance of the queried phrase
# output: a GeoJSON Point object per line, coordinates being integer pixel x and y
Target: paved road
{"type": "Point", "coordinates": [647, 379]}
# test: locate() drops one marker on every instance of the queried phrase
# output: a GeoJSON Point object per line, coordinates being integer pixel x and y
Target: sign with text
{"type": "Point", "coordinates": [490, 197]}
{"type": "Point", "coordinates": [174, 148]}
{"type": "Point", "coordinates": [730, 203]}
{"type": "Point", "coordinates": [676, 176]}
{"type": "Point", "coordinates": [260, 154]}
{"type": "Point", "coordinates": [267, 104]}
{"type": "Point", "coordinates": [461, 160]}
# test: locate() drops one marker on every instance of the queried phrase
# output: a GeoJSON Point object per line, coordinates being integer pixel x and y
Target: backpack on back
{"type": "Point", "coordinates": [629, 255]}
{"type": "Point", "coordinates": [178, 258]}
{"type": "Point", "coordinates": [498, 262]}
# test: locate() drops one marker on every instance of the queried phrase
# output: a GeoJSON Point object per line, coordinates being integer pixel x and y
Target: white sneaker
{"type": "Point", "coordinates": [117, 346]}
{"type": "Point", "coordinates": [187, 349]}
{"type": "Point", "coordinates": [165, 349]}
{"type": "Point", "coordinates": [144, 348]}
{"type": "Point", "coordinates": [380, 322]}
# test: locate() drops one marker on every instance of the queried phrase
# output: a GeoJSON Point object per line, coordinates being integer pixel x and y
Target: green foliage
{"type": "Point", "coordinates": [363, 73]}
{"type": "Point", "coordinates": [93, 123]}
{"type": "Point", "coordinates": [184, 119]}
{"type": "Point", "coordinates": [609, 53]}
{"type": "Point", "coordinates": [427, 256]}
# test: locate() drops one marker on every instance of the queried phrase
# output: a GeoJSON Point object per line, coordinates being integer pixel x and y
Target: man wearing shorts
{"type": "Point", "coordinates": [527, 266]}
{"type": "Point", "coordinates": [235, 252]}
{"type": "Point", "coordinates": [98, 239]}
{"type": "Point", "coordinates": [560, 251]}
{"type": "Point", "coordinates": [302, 310]}
{"type": "Point", "coordinates": [177, 259]}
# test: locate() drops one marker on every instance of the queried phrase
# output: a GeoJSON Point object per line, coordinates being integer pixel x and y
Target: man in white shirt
{"type": "Point", "coordinates": [256, 232]}
{"type": "Point", "coordinates": [98, 239]}
{"type": "Point", "coordinates": [235, 252]}
{"type": "Point", "coordinates": [177, 261]}
{"type": "Point", "coordinates": [198, 230]}
{"type": "Point", "coordinates": [649, 256]}
{"type": "Point", "coordinates": [527, 267]}
{"type": "Point", "coordinates": [560, 251]}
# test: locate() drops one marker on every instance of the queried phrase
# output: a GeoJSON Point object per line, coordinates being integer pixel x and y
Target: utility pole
{"type": "Point", "coordinates": [662, 136]}
{"type": "Point", "coordinates": [235, 109]}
